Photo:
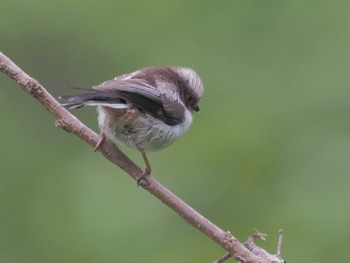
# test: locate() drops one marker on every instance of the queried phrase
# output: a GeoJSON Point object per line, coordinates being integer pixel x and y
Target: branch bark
{"type": "Point", "coordinates": [67, 121]}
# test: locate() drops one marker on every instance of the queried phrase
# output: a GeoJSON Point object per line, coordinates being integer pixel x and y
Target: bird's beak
{"type": "Point", "coordinates": [195, 108]}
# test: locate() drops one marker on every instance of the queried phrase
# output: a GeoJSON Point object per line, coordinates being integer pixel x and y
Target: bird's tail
{"type": "Point", "coordinates": [93, 98]}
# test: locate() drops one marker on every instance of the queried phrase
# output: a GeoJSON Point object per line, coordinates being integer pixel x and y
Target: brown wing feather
{"type": "Point", "coordinates": [146, 97]}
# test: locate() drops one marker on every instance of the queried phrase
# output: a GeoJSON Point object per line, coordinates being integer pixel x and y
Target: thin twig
{"type": "Point", "coordinates": [65, 120]}
{"type": "Point", "coordinates": [279, 243]}
{"type": "Point", "coordinates": [223, 258]}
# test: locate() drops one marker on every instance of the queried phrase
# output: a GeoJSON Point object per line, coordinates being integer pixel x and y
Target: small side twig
{"type": "Point", "coordinates": [258, 251]}
{"type": "Point", "coordinates": [279, 243]}
{"type": "Point", "coordinates": [223, 258]}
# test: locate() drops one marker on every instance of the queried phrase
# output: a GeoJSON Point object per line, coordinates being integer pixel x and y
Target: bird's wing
{"type": "Point", "coordinates": [147, 97]}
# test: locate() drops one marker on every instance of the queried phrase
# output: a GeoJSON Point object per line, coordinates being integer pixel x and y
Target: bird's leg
{"type": "Point", "coordinates": [148, 169]}
{"type": "Point", "coordinates": [101, 139]}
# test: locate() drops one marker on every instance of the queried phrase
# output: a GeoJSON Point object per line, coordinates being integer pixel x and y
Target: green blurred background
{"type": "Point", "coordinates": [269, 150]}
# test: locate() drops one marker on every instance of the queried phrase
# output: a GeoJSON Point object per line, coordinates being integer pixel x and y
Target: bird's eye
{"type": "Point", "coordinates": [190, 99]}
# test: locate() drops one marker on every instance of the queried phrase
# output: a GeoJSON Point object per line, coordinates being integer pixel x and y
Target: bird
{"type": "Point", "coordinates": [147, 109]}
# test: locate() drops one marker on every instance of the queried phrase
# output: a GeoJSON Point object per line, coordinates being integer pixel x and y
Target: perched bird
{"type": "Point", "coordinates": [147, 109]}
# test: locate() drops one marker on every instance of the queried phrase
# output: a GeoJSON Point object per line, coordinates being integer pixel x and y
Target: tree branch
{"type": "Point", "coordinates": [65, 120]}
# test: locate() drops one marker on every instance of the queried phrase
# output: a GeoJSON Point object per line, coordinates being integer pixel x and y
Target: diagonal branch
{"type": "Point", "coordinates": [65, 120]}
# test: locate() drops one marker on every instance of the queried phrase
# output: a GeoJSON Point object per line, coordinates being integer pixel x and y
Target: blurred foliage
{"type": "Point", "coordinates": [269, 150]}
